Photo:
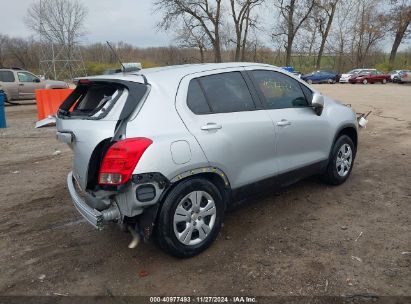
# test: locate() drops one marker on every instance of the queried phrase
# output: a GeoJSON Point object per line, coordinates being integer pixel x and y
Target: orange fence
{"type": "Point", "coordinates": [48, 101]}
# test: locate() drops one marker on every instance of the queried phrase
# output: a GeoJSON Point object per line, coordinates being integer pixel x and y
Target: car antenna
{"type": "Point", "coordinates": [115, 54]}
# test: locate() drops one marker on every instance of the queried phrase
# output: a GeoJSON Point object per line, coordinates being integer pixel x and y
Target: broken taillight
{"type": "Point", "coordinates": [121, 159]}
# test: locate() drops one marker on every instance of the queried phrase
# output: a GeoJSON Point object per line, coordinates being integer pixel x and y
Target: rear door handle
{"type": "Point", "coordinates": [211, 126]}
{"type": "Point", "coordinates": [21, 84]}
{"type": "Point", "coordinates": [283, 123]}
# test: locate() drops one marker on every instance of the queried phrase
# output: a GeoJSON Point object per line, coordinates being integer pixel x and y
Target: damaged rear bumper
{"type": "Point", "coordinates": [93, 216]}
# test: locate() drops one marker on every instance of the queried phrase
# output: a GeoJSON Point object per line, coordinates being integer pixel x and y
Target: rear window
{"type": "Point", "coordinates": [219, 93]}
{"type": "Point", "coordinates": [6, 76]}
{"type": "Point", "coordinates": [94, 99]}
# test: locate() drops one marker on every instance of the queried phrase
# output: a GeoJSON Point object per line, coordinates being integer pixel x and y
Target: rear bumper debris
{"type": "Point", "coordinates": [93, 216]}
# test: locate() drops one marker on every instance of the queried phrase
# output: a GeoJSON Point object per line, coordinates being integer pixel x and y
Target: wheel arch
{"type": "Point", "coordinates": [212, 174]}
{"type": "Point", "coordinates": [351, 131]}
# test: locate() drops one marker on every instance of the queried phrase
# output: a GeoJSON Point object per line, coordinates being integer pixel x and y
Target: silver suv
{"type": "Point", "coordinates": [165, 151]}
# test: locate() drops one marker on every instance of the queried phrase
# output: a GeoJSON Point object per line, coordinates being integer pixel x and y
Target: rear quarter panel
{"type": "Point", "coordinates": [158, 120]}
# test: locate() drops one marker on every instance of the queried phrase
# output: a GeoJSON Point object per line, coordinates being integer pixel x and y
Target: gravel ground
{"type": "Point", "coordinates": [310, 239]}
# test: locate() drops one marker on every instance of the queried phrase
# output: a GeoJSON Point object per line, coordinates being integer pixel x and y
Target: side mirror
{"type": "Point", "coordinates": [36, 80]}
{"type": "Point", "coordinates": [317, 103]}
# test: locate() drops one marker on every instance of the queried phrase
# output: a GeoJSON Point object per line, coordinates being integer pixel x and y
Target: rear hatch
{"type": "Point", "coordinates": [91, 118]}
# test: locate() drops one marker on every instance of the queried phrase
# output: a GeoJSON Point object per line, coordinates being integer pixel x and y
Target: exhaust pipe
{"type": "Point", "coordinates": [111, 214]}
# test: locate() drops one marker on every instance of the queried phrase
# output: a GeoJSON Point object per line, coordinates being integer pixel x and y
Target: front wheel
{"type": "Point", "coordinates": [341, 161]}
{"type": "Point", "coordinates": [365, 81]}
{"type": "Point", "coordinates": [384, 81]}
{"type": "Point", "coordinates": [190, 218]}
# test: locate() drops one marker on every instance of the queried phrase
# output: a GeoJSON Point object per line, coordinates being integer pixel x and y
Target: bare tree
{"type": "Point", "coordinates": [371, 28]}
{"type": "Point", "coordinates": [241, 11]}
{"type": "Point", "coordinates": [324, 16]}
{"type": "Point", "coordinates": [60, 26]}
{"type": "Point", "coordinates": [59, 21]}
{"type": "Point", "coordinates": [3, 49]}
{"type": "Point", "coordinates": [206, 13]}
{"type": "Point", "coordinates": [342, 31]}
{"type": "Point", "coordinates": [400, 16]}
{"type": "Point", "coordinates": [190, 35]}
{"type": "Point", "coordinates": [293, 13]}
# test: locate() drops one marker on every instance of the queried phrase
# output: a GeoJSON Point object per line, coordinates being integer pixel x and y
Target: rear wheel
{"type": "Point", "coordinates": [309, 81]}
{"type": "Point", "coordinates": [341, 161]}
{"type": "Point", "coordinates": [365, 81]}
{"type": "Point", "coordinates": [330, 81]}
{"type": "Point", "coordinates": [190, 218]}
{"type": "Point", "coordinates": [384, 81]}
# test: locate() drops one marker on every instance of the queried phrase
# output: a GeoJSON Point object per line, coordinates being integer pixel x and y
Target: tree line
{"type": "Point", "coordinates": [312, 27]}
{"type": "Point", "coordinates": [308, 34]}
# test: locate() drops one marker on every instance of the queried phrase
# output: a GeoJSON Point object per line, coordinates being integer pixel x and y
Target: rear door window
{"type": "Point", "coordinates": [226, 92]}
{"type": "Point", "coordinates": [7, 76]}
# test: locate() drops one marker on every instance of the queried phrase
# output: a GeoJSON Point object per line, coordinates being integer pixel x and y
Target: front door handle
{"type": "Point", "coordinates": [283, 123]}
{"type": "Point", "coordinates": [211, 126]}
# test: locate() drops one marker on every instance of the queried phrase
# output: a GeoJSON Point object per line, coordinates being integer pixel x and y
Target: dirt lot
{"type": "Point", "coordinates": [311, 239]}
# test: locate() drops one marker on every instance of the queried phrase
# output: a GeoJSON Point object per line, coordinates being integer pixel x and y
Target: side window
{"type": "Point", "coordinates": [279, 90]}
{"type": "Point", "coordinates": [227, 92]}
{"type": "Point", "coordinates": [196, 100]}
{"type": "Point", "coordinates": [6, 76]}
{"type": "Point", "coordinates": [26, 77]}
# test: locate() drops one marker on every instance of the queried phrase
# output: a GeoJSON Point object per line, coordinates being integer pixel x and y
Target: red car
{"type": "Point", "coordinates": [369, 77]}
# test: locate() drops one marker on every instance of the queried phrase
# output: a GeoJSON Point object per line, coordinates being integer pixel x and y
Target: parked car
{"type": "Point", "coordinates": [165, 151]}
{"type": "Point", "coordinates": [21, 84]}
{"type": "Point", "coordinates": [394, 77]}
{"type": "Point", "coordinates": [404, 76]}
{"type": "Point", "coordinates": [346, 77]}
{"type": "Point", "coordinates": [321, 77]}
{"type": "Point", "coordinates": [369, 77]}
{"type": "Point", "coordinates": [297, 74]}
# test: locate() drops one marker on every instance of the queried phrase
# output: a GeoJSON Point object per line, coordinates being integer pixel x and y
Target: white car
{"type": "Point", "coordinates": [346, 77]}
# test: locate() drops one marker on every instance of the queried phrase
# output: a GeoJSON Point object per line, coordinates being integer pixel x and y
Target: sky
{"type": "Point", "coordinates": [131, 21]}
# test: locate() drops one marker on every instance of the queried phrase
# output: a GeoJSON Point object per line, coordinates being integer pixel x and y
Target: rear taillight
{"type": "Point", "coordinates": [121, 159]}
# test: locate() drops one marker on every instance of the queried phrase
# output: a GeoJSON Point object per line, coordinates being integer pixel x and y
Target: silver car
{"type": "Point", "coordinates": [165, 151]}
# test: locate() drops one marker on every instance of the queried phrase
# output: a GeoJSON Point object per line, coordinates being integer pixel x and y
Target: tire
{"type": "Point", "coordinates": [365, 81]}
{"type": "Point", "coordinates": [384, 81]}
{"type": "Point", "coordinates": [309, 81]}
{"type": "Point", "coordinates": [330, 81]}
{"type": "Point", "coordinates": [334, 174]}
{"type": "Point", "coordinates": [173, 223]}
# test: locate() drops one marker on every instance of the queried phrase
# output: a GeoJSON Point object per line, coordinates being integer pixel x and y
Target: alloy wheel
{"type": "Point", "coordinates": [344, 160]}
